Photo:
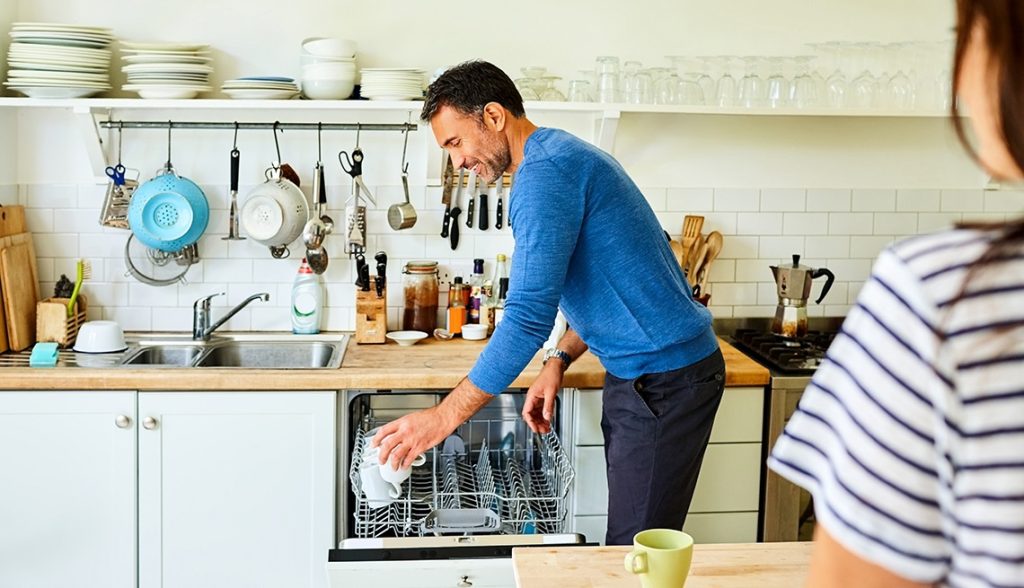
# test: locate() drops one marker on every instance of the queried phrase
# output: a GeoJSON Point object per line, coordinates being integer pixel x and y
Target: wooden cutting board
{"type": "Point", "coordinates": [19, 289]}
{"type": "Point", "coordinates": [12, 222]}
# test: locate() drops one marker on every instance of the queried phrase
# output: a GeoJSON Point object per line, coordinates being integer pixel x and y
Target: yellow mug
{"type": "Point", "coordinates": [661, 557]}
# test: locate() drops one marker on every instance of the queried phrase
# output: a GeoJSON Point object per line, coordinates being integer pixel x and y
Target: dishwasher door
{"type": "Point", "coordinates": [493, 485]}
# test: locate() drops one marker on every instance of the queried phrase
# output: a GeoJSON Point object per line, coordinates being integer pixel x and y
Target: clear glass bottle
{"type": "Point", "coordinates": [456, 308]}
{"type": "Point", "coordinates": [500, 271]}
{"type": "Point", "coordinates": [476, 284]}
{"type": "Point", "coordinates": [420, 285]}
{"type": "Point", "coordinates": [499, 308]}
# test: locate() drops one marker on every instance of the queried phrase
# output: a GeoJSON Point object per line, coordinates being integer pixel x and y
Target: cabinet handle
{"type": "Point", "coordinates": [149, 423]}
{"type": "Point", "coordinates": [464, 583]}
{"type": "Point", "coordinates": [123, 421]}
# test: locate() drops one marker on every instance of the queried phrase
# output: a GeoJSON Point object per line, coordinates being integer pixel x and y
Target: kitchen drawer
{"type": "Point", "coordinates": [429, 573]}
{"type": "Point", "coordinates": [722, 527]}
{"type": "Point", "coordinates": [739, 418]}
{"type": "Point", "coordinates": [730, 478]}
{"type": "Point", "coordinates": [592, 527]}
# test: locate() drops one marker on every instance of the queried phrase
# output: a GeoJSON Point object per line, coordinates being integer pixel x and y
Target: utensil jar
{"type": "Point", "coordinates": [419, 282]}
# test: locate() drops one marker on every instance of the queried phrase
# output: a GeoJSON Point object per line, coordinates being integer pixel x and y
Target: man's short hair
{"type": "Point", "coordinates": [470, 86]}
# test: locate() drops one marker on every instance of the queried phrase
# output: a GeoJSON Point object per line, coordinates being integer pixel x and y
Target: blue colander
{"type": "Point", "coordinates": [169, 212]}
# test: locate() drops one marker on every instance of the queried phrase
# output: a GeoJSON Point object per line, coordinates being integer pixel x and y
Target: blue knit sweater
{"type": "Point", "coordinates": [587, 241]}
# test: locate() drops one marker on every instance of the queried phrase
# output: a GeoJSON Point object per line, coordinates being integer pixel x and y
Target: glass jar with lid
{"type": "Point", "coordinates": [419, 281]}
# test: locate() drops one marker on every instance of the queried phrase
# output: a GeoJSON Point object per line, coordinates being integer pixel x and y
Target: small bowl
{"type": "Point", "coordinates": [327, 89]}
{"type": "Point", "coordinates": [100, 337]}
{"type": "Point", "coordinates": [338, 70]}
{"type": "Point", "coordinates": [329, 47]}
{"type": "Point", "coordinates": [406, 338]}
{"type": "Point", "coordinates": [474, 332]}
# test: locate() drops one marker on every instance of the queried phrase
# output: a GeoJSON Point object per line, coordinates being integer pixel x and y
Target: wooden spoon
{"type": "Point", "coordinates": [677, 249]}
{"type": "Point", "coordinates": [692, 225]}
{"type": "Point", "coordinates": [714, 244]}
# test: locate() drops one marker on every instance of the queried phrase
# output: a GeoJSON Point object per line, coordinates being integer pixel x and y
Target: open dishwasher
{"type": "Point", "coordinates": [491, 486]}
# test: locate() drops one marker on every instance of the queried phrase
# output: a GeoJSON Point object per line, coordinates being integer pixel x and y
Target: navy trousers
{"type": "Point", "coordinates": [656, 428]}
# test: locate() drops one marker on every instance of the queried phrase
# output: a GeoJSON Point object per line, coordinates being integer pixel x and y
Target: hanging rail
{"type": "Point", "coordinates": [157, 124]}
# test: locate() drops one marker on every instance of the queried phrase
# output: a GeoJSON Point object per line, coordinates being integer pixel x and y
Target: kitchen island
{"type": "Point", "coordinates": [737, 565]}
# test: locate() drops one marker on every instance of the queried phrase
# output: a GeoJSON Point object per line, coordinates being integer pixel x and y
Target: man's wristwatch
{"type": "Point", "coordinates": [556, 352]}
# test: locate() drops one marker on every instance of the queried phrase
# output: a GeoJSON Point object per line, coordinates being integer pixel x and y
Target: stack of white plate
{"type": "Point", "coordinates": [261, 88]}
{"type": "Point", "coordinates": [48, 60]}
{"type": "Point", "coordinates": [392, 83]}
{"type": "Point", "coordinates": [166, 70]}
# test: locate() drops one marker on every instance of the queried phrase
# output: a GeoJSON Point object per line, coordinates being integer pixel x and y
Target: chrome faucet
{"type": "Point", "coordinates": [201, 327]}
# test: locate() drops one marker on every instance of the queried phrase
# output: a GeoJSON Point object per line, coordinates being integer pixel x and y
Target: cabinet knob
{"type": "Point", "coordinates": [464, 583]}
{"type": "Point", "coordinates": [123, 421]}
{"type": "Point", "coordinates": [149, 423]}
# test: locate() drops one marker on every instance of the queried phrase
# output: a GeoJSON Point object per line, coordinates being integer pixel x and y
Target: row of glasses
{"type": "Point", "coordinates": [538, 84]}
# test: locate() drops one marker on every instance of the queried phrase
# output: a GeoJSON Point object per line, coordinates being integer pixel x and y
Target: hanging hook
{"type": "Point", "coordinates": [359, 129]}
{"type": "Point", "coordinates": [405, 144]}
{"type": "Point", "coordinates": [170, 125]}
{"type": "Point", "coordinates": [234, 146]}
{"type": "Point", "coordinates": [120, 140]}
{"type": "Point", "coordinates": [276, 145]}
{"type": "Point", "coordinates": [319, 144]}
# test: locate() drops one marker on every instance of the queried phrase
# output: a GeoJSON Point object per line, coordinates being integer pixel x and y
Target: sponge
{"type": "Point", "coordinates": [43, 355]}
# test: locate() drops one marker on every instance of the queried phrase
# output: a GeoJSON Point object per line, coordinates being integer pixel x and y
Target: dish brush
{"type": "Point", "coordinates": [83, 271]}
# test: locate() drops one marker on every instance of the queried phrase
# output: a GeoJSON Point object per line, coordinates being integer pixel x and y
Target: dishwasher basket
{"type": "Point", "coordinates": [517, 485]}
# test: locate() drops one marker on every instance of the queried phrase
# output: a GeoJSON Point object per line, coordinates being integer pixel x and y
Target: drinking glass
{"type": "Point", "coordinates": [753, 89]}
{"type": "Point", "coordinates": [725, 88]}
{"type": "Point", "coordinates": [778, 86]}
{"type": "Point", "coordinates": [899, 90]}
{"type": "Point", "coordinates": [525, 86]}
{"type": "Point", "coordinates": [608, 80]}
{"type": "Point", "coordinates": [550, 93]}
{"type": "Point", "coordinates": [803, 92]}
{"type": "Point", "coordinates": [636, 84]}
{"type": "Point", "coordinates": [864, 87]}
{"type": "Point", "coordinates": [579, 91]}
{"type": "Point", "coordinates": [666, 89]}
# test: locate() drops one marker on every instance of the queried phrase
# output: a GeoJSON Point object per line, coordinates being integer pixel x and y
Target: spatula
{"type": "Point", "coordinates": [692, 225]}
{"type": "Point", "coordinates": [714, 243]}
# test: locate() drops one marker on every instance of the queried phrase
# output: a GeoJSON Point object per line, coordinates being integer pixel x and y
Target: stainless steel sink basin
{"type": "Point", "coordinates": [164, 355]}
{"type": "Point", "coordinates": [290, 355]}
{"type": "Point", "coordinates": [256, 351]}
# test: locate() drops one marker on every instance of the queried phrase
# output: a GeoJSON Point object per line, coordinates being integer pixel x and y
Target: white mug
{"type": "Point", "coordinates": [395, 477]}
{"type": "Point", "coordinates": [377, 491]}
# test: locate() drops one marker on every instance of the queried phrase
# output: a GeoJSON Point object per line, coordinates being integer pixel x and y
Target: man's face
{"type": "Point", "coordinates": [472, 143]}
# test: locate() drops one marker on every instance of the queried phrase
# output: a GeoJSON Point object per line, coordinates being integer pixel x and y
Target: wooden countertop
{"type": "Point", "coordinates": [430, 364]}
{"type": "Point", "coordinates": [739, 565]}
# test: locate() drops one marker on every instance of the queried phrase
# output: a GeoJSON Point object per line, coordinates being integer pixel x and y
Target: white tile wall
{"type": "Point", "coordinates": [841, 229]}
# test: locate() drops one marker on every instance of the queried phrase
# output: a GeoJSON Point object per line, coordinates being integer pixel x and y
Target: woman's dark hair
{"type": "Point", "coordinates": [470, 86]}
{"type": "Point", "coordinates": [1003, 23]}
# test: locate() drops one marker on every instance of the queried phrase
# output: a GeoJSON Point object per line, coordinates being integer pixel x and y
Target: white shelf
{"type": "Point", "coordinates": [416, 106]}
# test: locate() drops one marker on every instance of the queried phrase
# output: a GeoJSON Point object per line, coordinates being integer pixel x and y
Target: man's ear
{"type": "Point", "coordinates": [494, 116]}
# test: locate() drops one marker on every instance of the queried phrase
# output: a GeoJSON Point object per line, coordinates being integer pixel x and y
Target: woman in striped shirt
{"type": "Point", "coordinates": [911, 435]}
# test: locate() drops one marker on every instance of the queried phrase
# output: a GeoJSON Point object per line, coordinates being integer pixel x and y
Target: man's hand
{"type": "Point", "coordinates": [540, 398]}
{"type": "Point", "coordinates": [403, 440]}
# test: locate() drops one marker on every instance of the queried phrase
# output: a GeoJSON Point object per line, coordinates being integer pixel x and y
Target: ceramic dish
{"type": "Point", "coordinates": [100, 337]}
{"type": "Point", "coordinates": [406, 338]}
{"type": "Point", "coordinates": [474, 332]}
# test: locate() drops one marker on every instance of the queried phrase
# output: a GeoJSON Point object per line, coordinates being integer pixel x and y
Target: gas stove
{"type": "Point", "coordinates": [798, 356]}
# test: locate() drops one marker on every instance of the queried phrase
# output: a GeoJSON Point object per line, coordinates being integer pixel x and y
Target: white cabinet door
{"type": "Point", "coordinates": [236, 489]}
{"type": "Point", "coordinates": [67, 489]}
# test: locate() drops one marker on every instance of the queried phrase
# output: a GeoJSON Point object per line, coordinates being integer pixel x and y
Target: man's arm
{"type": "Point", "coordinates": [404, 439]}
{"type": "Point", "coordinates": [539, 405]}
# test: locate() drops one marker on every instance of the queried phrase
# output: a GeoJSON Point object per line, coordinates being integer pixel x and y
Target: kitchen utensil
{"type": "Point", "coordinates": [456, 211]}
{"type": "Point", "coordinates": [461, 521]}
{"type": "Point", "coordinates": [677, 250]}
{"type": "Point", "coordinates": [692, 225]}
{"type": "Point", "coordinates": [19, 286]}
{"type": "Point", "coordinates": [794, 288]}
{"type": "Point", "coordinates": [499, 220]}
{"type": "Point", "coordinates": [100, 337]}
{"type": "Point", "coordinates": [315, 231]}
{"type": "Point", "coordinates": [406, 338]}
{"type": "Point", "coordinates": [275, 211]}
{"type": "Point", "coordinates": [382, 271]}
{"type": "Point", "coordinates": [397, 476]}
{"type": "Point", "coordinates": [364, 277]}
{"type": "Point", "coordinates": [360, 264]}
{"type": "Point", "coordinates": [355, 211]}
{"type": "Point", "coordinates": [701, 248]}
{"type": "Point", "coordinates": [83, 271]}
{"type": "Point", "coordinates": [447, 181]}
{"type": "Point", "coordinates": [402, 216]}
{"type": "Point", "coordinates": [714, 242]}
{"type": "Point", "coordinates": [114, 212]}
{"type": "Point", "coordinates": [484, 221]}
{"type": "Point", "coordinates": [233, 212]}
{"type": "Point", "coordinates": [155, 267]}
{"type": "Point", "coordinates": [472, 199]}
{"type": "Point", "coordinates": [12, 230]}
{"type": "Point", "coordinates": [473, 332]}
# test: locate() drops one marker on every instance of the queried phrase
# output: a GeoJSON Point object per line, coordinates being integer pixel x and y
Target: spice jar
{"type": "Point", "coordinates": [419, 281]}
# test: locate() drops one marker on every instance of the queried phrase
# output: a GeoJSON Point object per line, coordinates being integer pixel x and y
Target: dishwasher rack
{"type": "Point", "coordinates": [522, 481]}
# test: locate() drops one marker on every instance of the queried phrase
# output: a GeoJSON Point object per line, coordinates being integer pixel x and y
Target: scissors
{"type": "Point", "coordinates": [116, 173]}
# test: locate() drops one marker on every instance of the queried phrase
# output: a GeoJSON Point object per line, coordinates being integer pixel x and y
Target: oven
{"type": "Point", "coordinates": [787, 513]}
{"type": "Point", "coordinates": [491, 486]}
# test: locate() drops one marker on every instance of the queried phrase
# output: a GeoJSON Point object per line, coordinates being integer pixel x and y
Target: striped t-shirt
{"type": "Point", "coordinates": [910, 437]}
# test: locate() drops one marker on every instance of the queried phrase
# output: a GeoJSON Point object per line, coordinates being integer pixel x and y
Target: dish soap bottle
{"type": "Point", "coordinates": [307, 301]}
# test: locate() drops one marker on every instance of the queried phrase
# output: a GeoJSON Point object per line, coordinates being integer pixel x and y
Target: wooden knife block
{"type": "Point", "coordinates": [371, 316]}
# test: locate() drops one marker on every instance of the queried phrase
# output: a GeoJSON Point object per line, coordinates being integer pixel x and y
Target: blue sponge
{"type": "Point", "coordinates": [43, 355]}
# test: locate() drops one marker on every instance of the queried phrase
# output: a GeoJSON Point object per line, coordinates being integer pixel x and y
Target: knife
{"type": "Point", "coordinates": [499, 221]}
{"type": "Point", "coordinates": [482, 223]}
{"type": "Point", "coordinates": [360, 264]}
{"type": "Point", "coordinates": [472, 198]}
{"type": "Point", "coordinates": [382, 271]}
{"type": "Point", "coordinates": [364, 277]}
{"type": "Point", "coordinates": [456, 211]}
{"type": "Point", "coordinates": [447, 179]}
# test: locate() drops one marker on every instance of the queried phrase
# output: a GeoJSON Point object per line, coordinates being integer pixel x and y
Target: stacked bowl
{"type": "Point", "coordinates": [166, 70]}
{"type": "Point", "coordinates": [48, 60]}
{"type": "Point", "coordinates": [328, 68]}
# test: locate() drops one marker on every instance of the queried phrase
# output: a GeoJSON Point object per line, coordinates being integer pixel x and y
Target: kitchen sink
{"type": "Point", "coordinates": [240, 351]}
{"type": "Point", "coordinates": [291, 355]}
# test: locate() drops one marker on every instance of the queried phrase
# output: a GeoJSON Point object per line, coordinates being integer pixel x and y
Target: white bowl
{"type": "Point", "coordinates": [100, 337]}
{"type": "Point", "coordinates": [329, 70]}
{"type": "Point", "coordinates": [327, 89]}
{"type": "Point", "coordinates": [307, 59]}
{"type": "Point", "coordinates": [474, 332]}
{"type": "Point", "coordinates": [329, 47]}
{"type": "Point", "coordinates": [406, 338]}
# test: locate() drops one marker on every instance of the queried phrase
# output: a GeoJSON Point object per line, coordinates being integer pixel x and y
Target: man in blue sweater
{"type": "Point", "coordinates": [586, 241]}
